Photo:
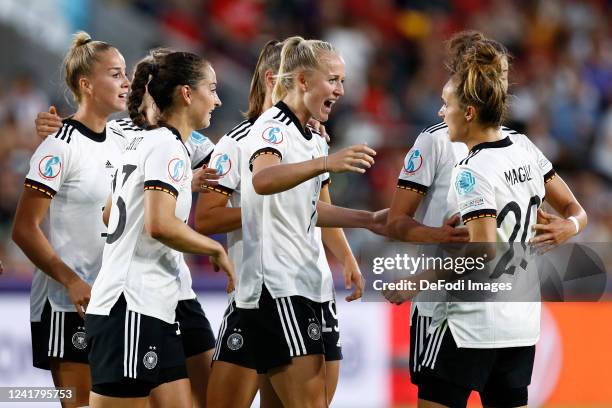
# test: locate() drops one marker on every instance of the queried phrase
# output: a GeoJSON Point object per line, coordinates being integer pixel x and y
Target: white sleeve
{"type": "Point", "coordinates": [475, 195]}
{"type": "Point", "coordinates": [51, 164]}
{"type": "Point", "coordinates": [270, 137]}
{"type": "Point", "coordinates": [420, 163]}
{"type": "Point", "coordinates": [225, 160]}
{"type": "Point", "coordinates": [165, 167]}
{"type": "Point", "coordinates": [200, 148]}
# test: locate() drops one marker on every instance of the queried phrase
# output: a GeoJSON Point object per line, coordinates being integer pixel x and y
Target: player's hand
{"type": "Point", "coordinates": [449, 233]}
{"type": "Point", "coordinates": [222, 262]}
{"type": "Point", "coordinates": [80, 293]}
{"type": "Point", "coordinates": [397, 297]}
{"type": "Point", "coordinates": [202, 177]}
{"type": "Point", "coordinates": [379, 222]}
{"type": "Point", "coordinates": [356, 159]}
{"type": "Point", "coordinates": [551, 230]}
{"type": "Point", "coordinates": [320, 128]}
{"type": "Point", "coordinates": [352, 276]}
{"type": "Point", "coordinates": [1, 268]}
{"type": "Point", "coordinates": [48, 123]}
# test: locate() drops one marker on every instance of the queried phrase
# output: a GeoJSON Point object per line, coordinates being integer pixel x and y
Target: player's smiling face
{"type": "Point", "coordinates": [108, 84]}
{"type": "Point", "coordinates": [452, 113]}
{"type": "Point", "coordinates": [324, 87]}
{"type": "Point", "coordinates": [205, 98]}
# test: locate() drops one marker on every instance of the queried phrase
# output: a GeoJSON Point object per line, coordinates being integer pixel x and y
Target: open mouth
{"type": "Point", "coordinates": [328, 104]}
{"type": "Point", "coordinates": [123, 95]}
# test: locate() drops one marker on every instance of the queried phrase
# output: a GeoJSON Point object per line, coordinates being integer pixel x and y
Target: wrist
{"type": "Point", "coordinates": [323, 164]}
{"type": "Point", "coordinates": [66, 276]}
{"type": "Point", "coordinates": [575, 223]}
{"type": "Point", "coordinates": [348, 259]}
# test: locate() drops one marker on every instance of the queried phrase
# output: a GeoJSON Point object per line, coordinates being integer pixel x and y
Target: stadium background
{"type": "Point", "coordinates": [561, 79]}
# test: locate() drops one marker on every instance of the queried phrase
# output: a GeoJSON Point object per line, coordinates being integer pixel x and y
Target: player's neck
{"type": "Point", "coordinates": [482, 135]}
{"type": "Point", "coordinates": [295, 102]}
{"type": "Point", "coordinates": [179, 123]}
{"type": "Point", "coordinates": [94, 120]}
{"type": "Point", "coordinates": [267, 102]}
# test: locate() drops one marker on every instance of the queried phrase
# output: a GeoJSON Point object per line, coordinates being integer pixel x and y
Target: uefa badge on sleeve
{"type": "Point", "coordinates": [413, 161]}
{"type": "Point", "coordinates": [176, 169]}
{"type": "Point", "coordinates": [197, 138]}
{"type": "Point", "coordinates": [465, 182]}
{"type": "Point", "coordinates": [49, 167]}
{"type": "Point", "coordinates": [222, 163]}
{"type": "Point", "coordinates": [273, 135]}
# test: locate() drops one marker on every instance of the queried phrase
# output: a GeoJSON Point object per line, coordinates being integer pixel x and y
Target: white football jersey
{"type": "Point", "coordinates": [200, 149]}
{"type": "Point", "coordinates": [74, 167]}
{"type": "Point", "coordinates": [427, 170]}
{"type": "Point", "coordinates": [142, 268]}
{"type": "Point", "coordinates": [505, 181]}
{"type": "Point", "coordinates": [226, 160]}
{"type": "Point", "coordinates": [280, 246]}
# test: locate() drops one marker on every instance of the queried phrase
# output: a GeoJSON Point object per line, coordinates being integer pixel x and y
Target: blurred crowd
{"type": "Point", "coordinates": [561, 82]}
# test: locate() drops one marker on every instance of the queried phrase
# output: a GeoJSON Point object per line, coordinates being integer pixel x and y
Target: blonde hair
{"type": "Point", "coordinates": [478, 80]}
{"type": "Point", "coordinates": [80, 59]}
{"type": "Point", "coordinates": [298, 55]}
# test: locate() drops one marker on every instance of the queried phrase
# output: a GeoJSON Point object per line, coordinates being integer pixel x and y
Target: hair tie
{"type": "Point", "coordinates": [87, 41]}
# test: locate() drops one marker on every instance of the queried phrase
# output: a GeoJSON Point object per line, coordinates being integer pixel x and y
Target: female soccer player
{"type": "Point", "coordinates": [486, 346]}
{"type": "Point", "coordinates": [130, 320]}
{"type": "Point", "coordinates": [196, 333]}
{"type": "Point", "coordinates": [233, 381]}
{"type": "Point", "coordinates": [279, 292]}
{"type": "Point", "coordinates": [64, 181]}
{"type": "Point", "coordinates": [422, 189]}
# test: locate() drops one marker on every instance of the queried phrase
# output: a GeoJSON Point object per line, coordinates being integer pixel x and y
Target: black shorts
{"type": "Point", "coordinates": [418, 342]}
{"type": "Point", "coordinates": [449, 373]}
{"type": "Point", "coordinates": [283, 328]}
{"type": "Point", "coordinates": [196, 333]}
{"type": "Point", "coordinates": [233, 344]}
{"type": "Point", "coordinates": [331, 331]}
{"type": "Point", "coordinates": [58, 335]}
{"type": "Point", "coordinates": [131, 353]}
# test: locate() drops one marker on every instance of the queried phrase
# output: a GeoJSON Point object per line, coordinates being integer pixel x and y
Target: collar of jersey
{"type": "Point", "coordinates": [175, 132]}
{"type": "Point", "coordinates": [505, 142]}
{"type": "Point", "coordinates": [285, 109]}
{"type": "Point", "coordinates": [87, 132]}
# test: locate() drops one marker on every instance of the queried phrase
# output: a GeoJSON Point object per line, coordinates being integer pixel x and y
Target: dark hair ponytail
{"type": "Point", "coordinates": [159, 74]}
{"type": "Point", "coordinates": [144, 70]}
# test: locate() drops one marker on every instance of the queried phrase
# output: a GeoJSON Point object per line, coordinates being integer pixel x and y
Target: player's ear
{"type": "Point", "coordinates": [185, 93]}
{"type": "Point", "coordinates": [269, 78]}
{"type": "Point", "coordinates": [85, 85]}
{"type": "Point", "coordinates": [301, 81]}
{"type": "Point", "coordinates": [470, 113]}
